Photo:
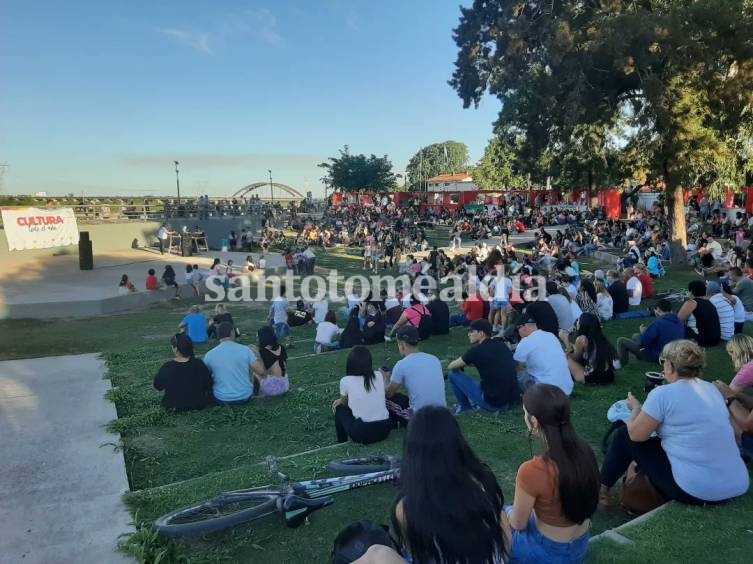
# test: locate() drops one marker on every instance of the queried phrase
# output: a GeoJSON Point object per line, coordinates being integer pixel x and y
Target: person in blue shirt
{"type": "Point", "coordinates": [648, 345]}
{"type": "Point", "coordinates": [195, 325]}
{"type": "Point", "coordinates": [231, 365]}
{"type": "Point", "coordinates": [655, 269]}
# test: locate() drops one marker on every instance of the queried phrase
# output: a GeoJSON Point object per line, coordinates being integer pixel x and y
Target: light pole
{"type": "Point", "coordinates": [271, 186]}
{"type": "Point", "coordinates": [177, 179]}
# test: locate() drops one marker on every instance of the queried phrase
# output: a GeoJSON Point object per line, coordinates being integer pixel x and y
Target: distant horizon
{"type": "Point", "coordinates": [100, 101]}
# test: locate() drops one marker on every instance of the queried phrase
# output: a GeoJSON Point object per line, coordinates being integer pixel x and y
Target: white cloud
{"type": "Point", "coordinates": [194, 39]}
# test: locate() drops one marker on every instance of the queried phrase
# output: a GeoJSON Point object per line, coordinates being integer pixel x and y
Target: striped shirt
{"type": "Point", "coordinates": [726, 316]}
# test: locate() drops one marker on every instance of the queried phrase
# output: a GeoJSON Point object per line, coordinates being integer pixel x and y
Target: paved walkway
{"type": "Point", "coordinates": [61, 482]}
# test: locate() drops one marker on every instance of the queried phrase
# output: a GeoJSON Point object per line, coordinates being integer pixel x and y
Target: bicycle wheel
{"type": "Point", "coordinates": [222, 512]}
{"type": "Point", "coordinates": [366, 465]}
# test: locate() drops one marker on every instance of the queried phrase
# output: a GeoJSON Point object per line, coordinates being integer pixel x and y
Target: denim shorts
{"type": "Point", "coordinates": [531, 546]}
{"type": "Point", "coordinates": [499, 304]}
{"type": "Point", "coordinates": [281, 330]}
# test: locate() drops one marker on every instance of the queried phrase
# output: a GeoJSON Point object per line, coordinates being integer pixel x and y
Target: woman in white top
{"type": "Point", "coordinates": [360, 411]}
{"type": "Point", "coordinates": [327, 334]}
{"type": "Point", "coordinates": [693, 458]}
{"type": "Point", "coordinates": [604, 301]}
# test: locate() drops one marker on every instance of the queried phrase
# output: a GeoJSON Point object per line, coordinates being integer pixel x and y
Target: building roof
{"type": "Point", "coordinates": [462, 177]}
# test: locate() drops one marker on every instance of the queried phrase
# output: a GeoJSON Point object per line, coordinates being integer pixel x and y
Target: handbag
{"type": "Point", "coordinates": [638, 493]}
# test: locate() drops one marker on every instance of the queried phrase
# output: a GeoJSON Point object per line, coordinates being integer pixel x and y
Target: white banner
{"type": "Point", "coordinates": [34, 228]}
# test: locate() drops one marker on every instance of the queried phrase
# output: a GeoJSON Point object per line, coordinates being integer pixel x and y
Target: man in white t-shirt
{"type": "Point", "coordinates": [162, 237]}
{"type": "Point", "coordinates": [540, 358]}
{"type": "Point", "coordinates": [634, 287]}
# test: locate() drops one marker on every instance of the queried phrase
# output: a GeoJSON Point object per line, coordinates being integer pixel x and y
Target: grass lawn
{"type": "Point", "coordinates": [173, 460]}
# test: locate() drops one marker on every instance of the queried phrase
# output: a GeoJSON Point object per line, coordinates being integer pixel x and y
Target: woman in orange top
{"type": "Point", "coordinates": [555, 493]}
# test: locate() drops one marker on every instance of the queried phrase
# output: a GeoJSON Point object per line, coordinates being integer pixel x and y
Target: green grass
{"type": "Point", "coordinates": [173, 460]}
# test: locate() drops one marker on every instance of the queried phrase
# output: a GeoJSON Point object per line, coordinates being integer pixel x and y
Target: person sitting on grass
{"type": "Point", "coordinates": [412, 315]}
{"type": "Point", "coordinates": [737, 307]}
{"type": "Point", "coordinates": [740, 350]}
{"type": "Point", "coordinates": [152, 283]}
{"type": "Point", "coordinates": [327, 334]}
{"type": "Point", "coordinates": [352, 335]}
{"type": "Point", "coordinates": [647, 345]}
{"type": "Point", "coordinates": [592, 355]}
{"type": "Point", "coordinates": [466, 523]}
{"type": "Point", "coordinates": [195, 325]}
{"type": "Point", "coordinates": [604, 301]}
{"type": "Point", "coordinates": [125, 286]}
{"type": "Point", "coordinates": [232, 366]}
{"type": "Point", "coordinates": [640, 272]}
{"type": "Point", "coordinates": [540, 357]}
{"type": "Point", "coordinates": [360, 411]}
{"type": "Point", "coordinates": [740, 406]}
{"type": "Point", "coordinates": [186, 380]}
{"type": "Point", "coordinates": [440, 314]}
{"type": "Point", "coordinates": [419, 373]}
{"type": "Point", "coordinates": [220, 314]}
{"type": "Point", "coordinates": [373, 327]}
{"type": "Point", "coordinates": [707, 331]}
{"type": "Point", "coordinates": [693, 458]}
{"type": "Point", "coordinates": [472, 308]}
{"type": "Point", "coordinates": [724, 310]}
{"type": "Point", "coordinates": [168, 279]}
{"type": "Point", "coordinates": [498, 387]}
{"type": "Point", "coordinates": [557, 493]}
{"type": "Point", "coordinates": [274, 357]}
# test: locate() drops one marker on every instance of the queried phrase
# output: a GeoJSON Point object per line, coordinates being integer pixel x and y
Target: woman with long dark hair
{"type": "Point", "coordinates": [450, 506]}
{"type": "Point", "coordinates": [186, 380]}
{"type": "Point", "coordinates": [352, 334]}
{"type": "Point", "coordinates": [360, 411]}
{"type": "Point", "coordinates": [555, 493]}
{"type": "Point", "coordinates": [591, 359]}
{"type": "Point", "coordinates": [274, 357]}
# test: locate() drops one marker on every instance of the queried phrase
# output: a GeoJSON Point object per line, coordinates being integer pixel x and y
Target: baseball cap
{"type": "Point", "coordinates": [713, 288]}
{"type": "Point", "coordinates": [408, 334]}
{"type": "Point", "coordinates": [481, 325]}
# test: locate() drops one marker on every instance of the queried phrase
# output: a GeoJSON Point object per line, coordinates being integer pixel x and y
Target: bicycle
{"type": "Point", "coordinates": [674, 295]}
{"type": "Point", "coordinates": [295, 501]}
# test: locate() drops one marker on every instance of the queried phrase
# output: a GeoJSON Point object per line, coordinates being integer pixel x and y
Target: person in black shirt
{"type": "Point", "coordinates": [618, 291]}
{"type": "Point", "coordinates": [498, 388]}
{"type": "Point", "coordinates": [708, 330]}
{"type": "Point", "coordinates": [186, 381]}
{"type": "Point", "coordinates": [352, 335]}
{"type": "Point", "coordinates": [220, 314]}
{"type": "Point", "coordinates": [440, 315]}
{"type": "Point", "coordinates": [373, 327]}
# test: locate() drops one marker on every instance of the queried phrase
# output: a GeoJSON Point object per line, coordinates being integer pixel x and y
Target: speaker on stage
{"type": "Point", "coordinates": [186, 245]}
{"type": "Point", "coordinates": [85, 255]}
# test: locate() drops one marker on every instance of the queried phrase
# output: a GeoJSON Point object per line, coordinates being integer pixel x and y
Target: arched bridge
{"type": "Point", "coordinates": [267, 191]}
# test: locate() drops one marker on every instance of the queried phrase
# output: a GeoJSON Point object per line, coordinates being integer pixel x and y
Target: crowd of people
{"type": "Point", "coordinates": [530, 350]}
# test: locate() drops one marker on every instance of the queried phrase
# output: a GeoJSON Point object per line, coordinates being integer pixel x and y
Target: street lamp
{"type": "Point", "coordinates": [271, 186]}
{"type": "Point", "coordinates": [177, 179]}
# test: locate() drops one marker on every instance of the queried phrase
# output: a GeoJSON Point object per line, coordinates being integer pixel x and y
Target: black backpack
{"type": "Point", "coordinates": [425, 324]}
{"type": "Point", "coordinates": [354, 540]}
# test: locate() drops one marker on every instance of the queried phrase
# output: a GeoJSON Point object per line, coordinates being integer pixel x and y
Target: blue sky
{"type": "Point", "coordinates": [101, 97]}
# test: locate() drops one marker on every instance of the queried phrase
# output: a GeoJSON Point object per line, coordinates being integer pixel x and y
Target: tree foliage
{"type": "Point", "coordinates": [498, 169]}
{"type": "Point", "coordinates": [351, 173]}
{"type": "Point", "coordinates": [439, 158]}
{"type": "Point", "coordinates": [665, 85]}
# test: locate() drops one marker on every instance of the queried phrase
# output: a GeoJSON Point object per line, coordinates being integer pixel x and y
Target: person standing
{"type": "Point", "coordinates": [162, 236]}
{"type": "Point", "coordinates": [498, 388]}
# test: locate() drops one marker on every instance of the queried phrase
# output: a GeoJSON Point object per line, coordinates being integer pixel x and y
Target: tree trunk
{"type": "Point", "coordinates": [678, 232]}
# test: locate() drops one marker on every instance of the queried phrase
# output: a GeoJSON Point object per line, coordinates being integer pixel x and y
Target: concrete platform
{"type": "Point", "coordinates": [61, 480]}
{"type": "Point", "coordinates": [54, 287]}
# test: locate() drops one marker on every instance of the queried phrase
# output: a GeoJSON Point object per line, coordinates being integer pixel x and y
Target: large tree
{"type": "Point", "coordinates": [677, 73]}
{"type": "Point", "coordinates": [351, 173]}
{"type": "Point", "coordinates": [439, 158]}
{"type": "Point", "coordinates": [499, 169]}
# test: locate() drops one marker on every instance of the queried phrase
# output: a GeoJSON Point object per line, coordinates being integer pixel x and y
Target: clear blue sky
{"type": "Point", "coordinates": [101, 97]}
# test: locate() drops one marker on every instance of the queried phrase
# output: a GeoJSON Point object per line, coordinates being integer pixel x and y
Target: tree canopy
{"type": "Point", "coordinates": [663, 84]}
{"type": "Point", "coordinates": [438, 158]}
{"type": "Point", "coordinates": [499, 168]}
{"type": "Point", "coordinates": [351, 173]}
